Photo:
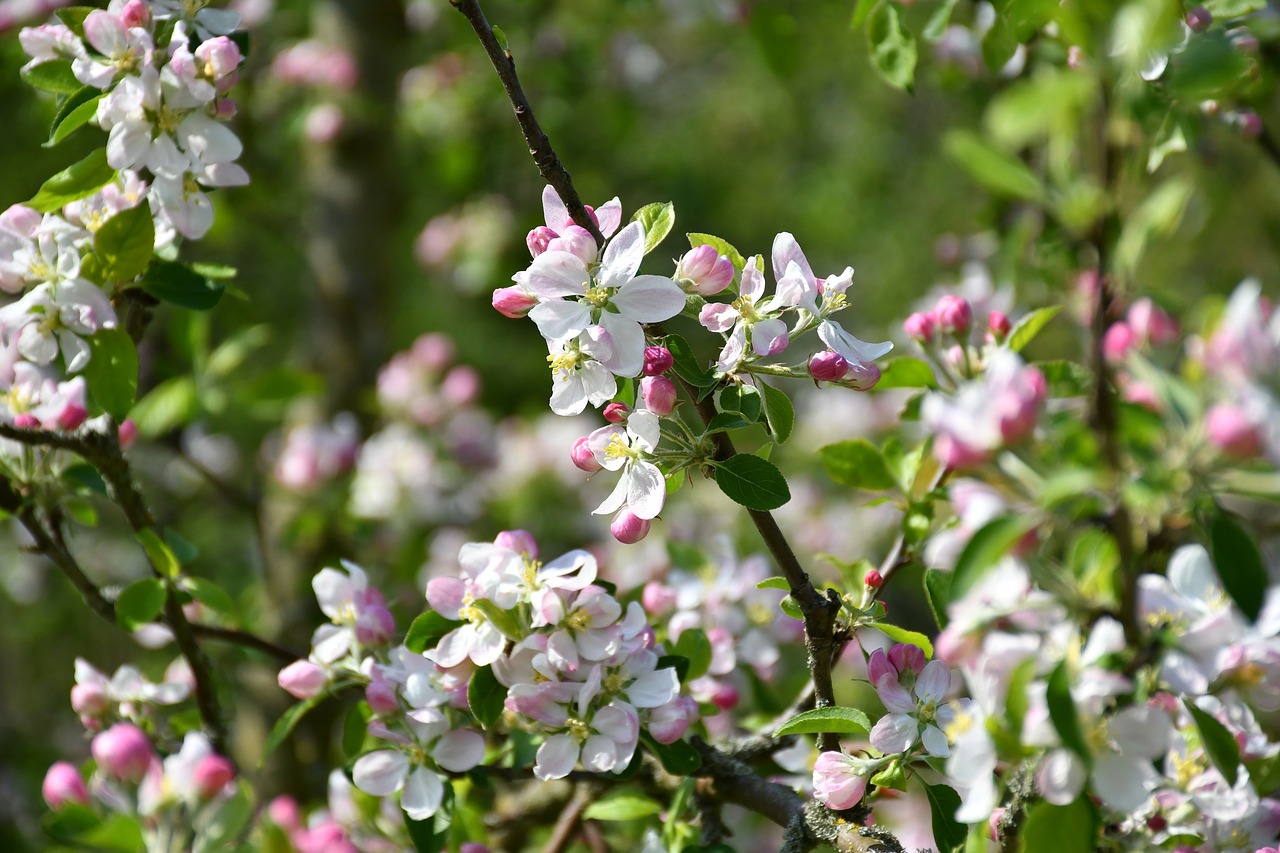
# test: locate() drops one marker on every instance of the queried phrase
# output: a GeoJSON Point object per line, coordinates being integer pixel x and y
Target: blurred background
{"type": "Point", "coordinates": [306, 417]}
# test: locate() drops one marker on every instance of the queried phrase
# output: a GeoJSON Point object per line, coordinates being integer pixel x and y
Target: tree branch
{"type": "Point", "coordinates": [566, 827]}
{"type": "Point", "coordinates": [544, 156]}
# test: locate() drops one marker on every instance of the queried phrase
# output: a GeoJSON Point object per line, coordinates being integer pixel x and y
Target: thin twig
{"type": "Point", "coordinates": [562, 834]}
{"type": "Point", "coordinates": [237, 637]}
{"type": "Point", "coordinates": [544, 156]}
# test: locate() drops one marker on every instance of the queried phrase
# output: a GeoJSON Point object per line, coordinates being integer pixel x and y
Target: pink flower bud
{"type": "Point", "coordinates": [381, 696]}
{"type": "Point", "coordinates": [473, 847]}
{"type": "Point", "coordinates": [616, 413]}
{"type": "Point", "coordinates": [1118, 340]}
{"type": "Point", "coordinates": [212, 774]}
{"type": "Point", "coordinates": [224, 109]}
{"type": "Point", "coordinates": [461, 386]}
{"type": "Point", "coordinates": [303, 679]}
{"type": "Point", "coordinates": [1249, 123]}
{"type": "Point", "coordinates": [993, 823]}
{"type": "Point", "coordinates": [1199, 18]}
{"type": "Point", "coordinates": [659, 394]}
{"type": "Point", "coordinates": [873, 579]}
{"type": "Point", "coordinates": [520, 541]}
{"type": "Point", "coordinates": [71, 416]}
{"type": "Point", "coordinates": [629, 528]}
{"type": "Point", "coordinates": [62, 785]}
{"type": "Point", "coordinates": [725, 696]}
{"type": "Point", "coordinates": [999, 325]}
{"type": "Point", "coordinates": [123, 751]}
{"type": "Point", "coordinates": [582, 456]}
{"type": "Point", "coordinates": [538, 240]}
{"type": "Point", "coordinates": [135, 14]}
{"type": "Point", "coordinates": [657, 598]}
{"type": "Point", "coordinates": [954, 647]}
{"type": "Point", "coordinates": [126, 433]}
{"type": "Point", "coordinates": [576, 241]}
{"type": "Point", "coordinates": [26, 420]}
{"type": "Point", "coordinates": [1232, 430]}
{"type": "Point", "coordinates": [375, 626]}
{"type": "Point", "coordinates": [514, 301]}
{"type": "Point", "coordinates": [862, 376]}
{"type": "Point", "coordinates": [953, 314]}
{"type": "Point", "coordinates": [1152, 323]}
{"type": "Point", "coordinates": [89, 700]}
{"type": "Point", "coordinates": [905, 657]}
{"type": "Point", "coordinates": [955, 455]}
{"type": "Point", "coordinates": [878, 666]}
{"type": "Point", "coordinates": [657, 361]}
{"type": "Point", "coordinates": [828, 366]}
{"type": "Point", "coordinates": [284, 812]}
{"type": "Point", "coordinates": [704, 271]}
{"type": "Point", "coordinates": [837, 781]}
{"type": "Point", "coordinates": [218, 57]}
{"type": "Point", "coordinates": [920, 327]}
{"type": "Point", "coordinates": [669, 722]}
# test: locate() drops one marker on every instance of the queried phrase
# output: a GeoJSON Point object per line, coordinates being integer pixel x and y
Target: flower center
{"type": "Point", "coordinates": [746, 307]}
{"type": "Point", "coordinates": [961, 724]}
{"type": "Point", "coordinates": [578, 620]}
{"type": "Point", "coordinates": [619, 449]}
{"type": "Point", "coordinates": [597, 296]}
{"type": "Point", "coordinates": [566, 361]}
{"type": "Point", "coordinates": [579, 730]}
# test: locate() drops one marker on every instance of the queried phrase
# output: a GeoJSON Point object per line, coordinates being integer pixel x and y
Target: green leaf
{"type": "Point", "coordinates": [789, 607]}
{"type": "Point", "coordinates": [139, 603]}
{"type": "Point", "coordinates": [159, 553]}
{"type": "Point", "coordinates": [1233, 8]}
{"type": "Point", "coordinates": [677, 662]}
{"type": "Point", "coordinates": [53, 76]}
{"type": "Point", "coordinates": [181, 285]}
{"type": "Point", "coordinates": [753, 482]}
{"type": "Point", "coordinates": [217, 831]}
{"type": "Point", "coordinates": [938, 22]}
{"type": "Point", "coordinates": [743, 399]}
{"type": "Point", "coordinates": [862, 10]}
{"type": "Point", "coordinates": [832, 719]}
{"type": "Point", "coordinates": [1218, 742]}
{"type": "Point", "coordinates": [657, 219]}
{"type": "Point", "coordinates": [501, 38]}
{"type": "Point", "coordinates": [722, 247]}
{"type": "Point", "coordinates": [1209, 67]}
{"type": "Point", "coordinates": [69, 822]}
{"type": "Point", "coordinates": [984, 550]}
{"type": "Point", "coordinates": [694, 645]}
{"type": "Point", "coordinates": [1029, 326]}
{"type": "Point", "coordinates": [355, 726]}
{"type": "Point", "coordinates": [79, 180]}
{"type": "Point", "coordinates": [486, 697]}
{"type": "Point", "coordinates": [81, 510]}
{"type": "Point", "coordinates": [1059, 829]}
{"type": "Point", "coordinates": [686, 364]}
{"type": "Point", "coordinates": [73, 17]}
{"type": "Point", "coordinates": [431, 834]}
{"type": "Point", "coordinates": [117, 833]}
{"type": "Point", "coordinates": [725, 421]}
{"type": "Point", "coordinates": [504, 620]}
{"type": "Point", "coordinates": [1238, 562]}
{"type": "Point", "coordinates": [209, 594]}
{"type": "Point", "coordinates": [622, 805]}
{"type": "Point", "coordinates": [125, 242]}
{"type": "Point", "coordinates": [73, 113]}
{"type": "Point", "coordinates": [893, 48]}
{"type": "Point", "coordinates": [997, 171]}
{"type": "Point", "coordinates": [859, 464]}
{"type": "Point", "coordinates": [288, 720]}
{"type": "Point", "coordinates": [907, 372]}
{"type": "Point", "coordinates": [774, 583]}
{"type": "Point", "coordinates": [937, 587]}
{"type": "Point", "coordinates": [112, 371]}
{"type": "Point", "coordinates": [999, 44]}
{"type": "Point", "coordinates": [171, 404]}
{"type": "Point", "coordinates": [902, 635]}
{"type": "Point", "coordinates": [426, 631]}
{"type": "Point", "coordinates": [1017, 697]}
{"type": "Point", "coordinates": [779, 412]}
{"type": "Point", "coordinates": [948, 833]}
{"type": "Point", "coordinates": [1062, 712]}
{"type": "Point", "coordinates": [679, 758]}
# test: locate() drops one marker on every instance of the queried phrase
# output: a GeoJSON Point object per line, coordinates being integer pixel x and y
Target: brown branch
{"type": "Point", "coordinates": [544, 156]}
{"type": "Point", "coordinates": [562, 834]}
{"type": "Point", "coordinates": [237, 637]}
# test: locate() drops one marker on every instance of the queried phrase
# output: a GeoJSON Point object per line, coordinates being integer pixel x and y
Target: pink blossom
{"type": "Point", "coordinates": [628, 528]}
{"type": "Point", "coordinates": [920, 327]}
{"type": "Point", "coordinates": [62, 785]}
{"type": "Point", "coordinates": [828, 366]}
{"type": "Point", "coordinates": [839, 780]}
{"type": "Point", "coordinates": [703, 271]}
{"type": "Point", "coordinates": [1234, 431]}
{"type": "Point", "coordinates": [123, 751]}
{"type": "Point", "coordinates": [1119, 339]}
{"type": "Point", "coordinates": [212, 774]}
{"type": "Point", "coordinates": [660, 394]}
{"type": "Point", "coordinates": [657, 360]}
{"type": "Point", "coordinates": [303, 679]}
{"type": "Point", "coordinates": [953, 314]}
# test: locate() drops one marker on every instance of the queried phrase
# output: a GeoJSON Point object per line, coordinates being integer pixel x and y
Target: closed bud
{"type": "Point", "coordinates": [135, 14]}
{"type": "Point", "coordinates": [657, 361]}
{"type": "Point", "coordinates": [303, 679]}
{"type": "Point", "coordinates": [659, 394]}
{"type": "Point", "coordinates": [657, 598]}
{"type": "Point", "coordinates": [212, 774]}
{"type": "Point", "coordinates": [71, 416]}
{"type": "Point", "coordinates": [999, 325]}
{"type": "Point", "coordinates": [218, 57]}
{"type": "Point", "coordinates": [582, 456]}
{"type": "Point", "coordinates": [862, 376]}
{"type": "Point", "coordinates": [381, 696]}
{"type": "Point", "coordinates": [629, 528]}
{"type": "Point", "coordinates": [1249, 123]}
{"type": "Point", "coordinates": [62, 785]}
{"type": "Point", "coordinates": [26, 420]}
{"type": "Point", "coordinates": [520, 541]}
{"type": "Point", "coordinates": [89, 700]}
{"type": "Point", "coordinates": [284, 812]}
{"type": "Point", "coordinates": [576, 241]}
{"type": "Point", "coordinates": [538, 240]}
{"type": "Point", "coordinates": [1231, 430]}
{"type": "Point", "coordinates": [1152, 323]}
{"type": "Point", "coordinates": [1198, 19]}
{"type": "Point", "coordinates": [704, 271]}
{"type": "Point", "coordinates": [953, 314]}
{"type": "Point", "coordinates": [873, 579]}
{"type": "Point", "coordinates": [920, 327]}
{"type": "Point", "coordinates": [828, 366]}
{"type": "Point", "coordinates": [1118, 340]}
{"type": "Point", "coordinates": [616, 413]}
{"type": "Point", "coordinates": [126, 433]}
{"type": "Point", "coordinates": [122, 751]}
{"type": "Point", "coordinates": [375, 626]}
{"type": "Point", "coordinates": [514, 301]}
{"type": "Point", "coordinates": [473, 847]}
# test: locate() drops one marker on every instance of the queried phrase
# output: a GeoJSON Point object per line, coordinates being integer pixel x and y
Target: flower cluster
{"type": "Point", "coordinates": [574, 664]}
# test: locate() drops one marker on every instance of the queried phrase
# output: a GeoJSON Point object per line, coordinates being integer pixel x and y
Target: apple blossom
{"type": "Point", "coordinates": [642, 486]}
{"type": "Point", "coordinates": [62, 785]}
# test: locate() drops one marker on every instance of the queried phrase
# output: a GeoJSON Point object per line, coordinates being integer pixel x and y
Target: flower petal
{"type": "Point", "coordinates": [459, 750]}
{"type": "Point", "coordinates": [380, 773]}
{"type": "Point", "coordinates": [556, 757]}
{"type": "Point", "coordinates": [556, 274]}
{"type": "Point", "coordinates": [622, 257]}
{"type": "Point", "coordinates": [650, 299]}
{"type": "Point", "coordinates": [559, 320]}
{"type": "Point", "coordinates": [422, 795]}
{"type": "Point", "coordinates": [646, 490]}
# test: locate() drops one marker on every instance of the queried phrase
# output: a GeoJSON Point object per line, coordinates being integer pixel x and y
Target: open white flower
{"type": "Point", "coordinates": [642, 487]}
